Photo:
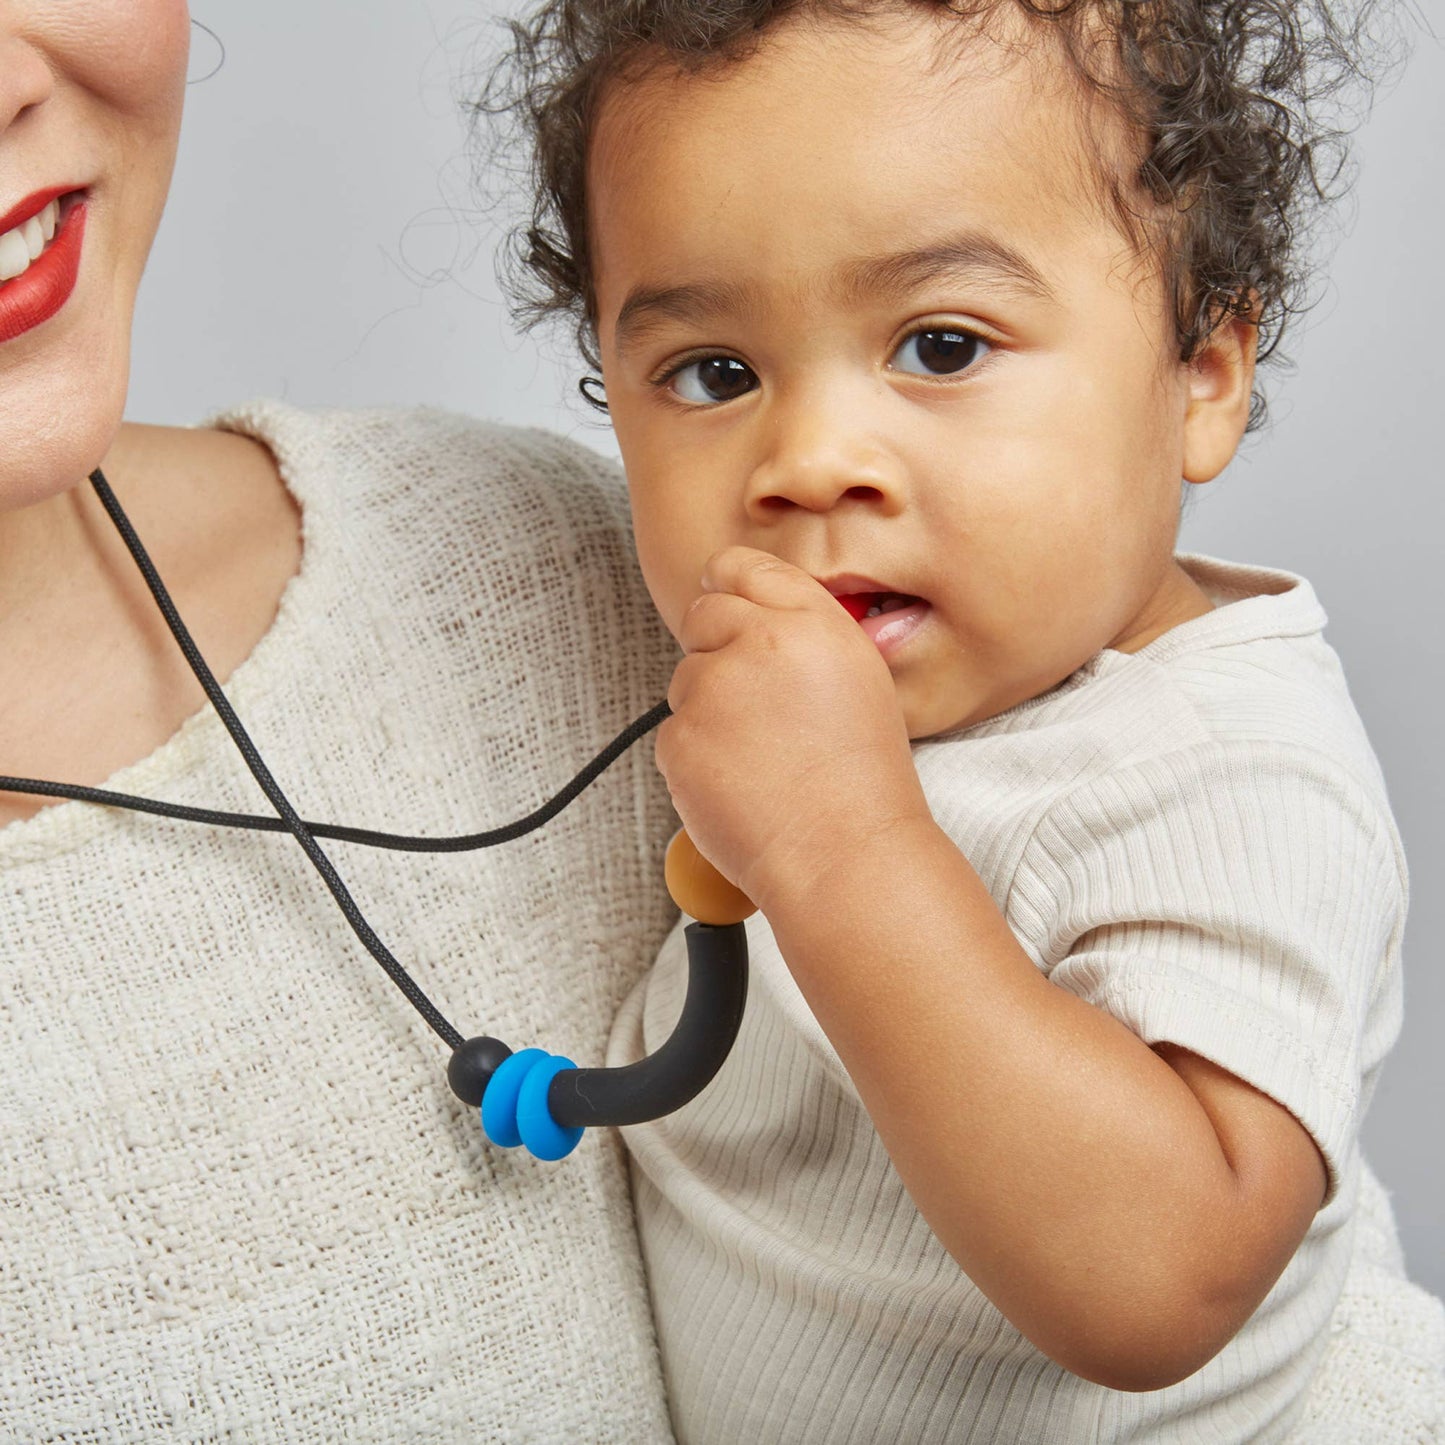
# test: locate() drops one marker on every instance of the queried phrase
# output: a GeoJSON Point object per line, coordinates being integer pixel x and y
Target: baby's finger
{"type": "Point", "coordinates": [681, 686]}
{"type": "Point", "coordinates": [762, 578]}
{"type": "Point", "coordinates": [714, 620]}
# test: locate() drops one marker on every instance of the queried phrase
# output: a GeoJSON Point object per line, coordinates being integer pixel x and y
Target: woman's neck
{"type": "Point", "coordinates": [90, 678]}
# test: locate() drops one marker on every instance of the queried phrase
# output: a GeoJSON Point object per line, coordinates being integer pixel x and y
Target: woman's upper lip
{"type": "Point", "coordinates": [32, 205]}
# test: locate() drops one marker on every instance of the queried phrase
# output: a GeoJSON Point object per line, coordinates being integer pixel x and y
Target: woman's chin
{"type": "Point", "coordinates": [64, 384]}
{"type": "Point", "coordinates": [53, 435]}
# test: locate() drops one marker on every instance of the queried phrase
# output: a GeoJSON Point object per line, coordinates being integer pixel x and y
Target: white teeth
{"type": "Point", "coordinates": [893, 602]}
{"type": "Point", "coordinates": [14, 256]}
{"type": "Point", "coordinates": [22, 245]}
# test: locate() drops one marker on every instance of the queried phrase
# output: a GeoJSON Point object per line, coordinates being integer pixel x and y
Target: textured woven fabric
{"type": "Point", "coordinates": [237, 1200]}
{"type": "Point", "coordinates": [1382, 1379]}
{"type": "Point", "coordinates": [1195, 837]}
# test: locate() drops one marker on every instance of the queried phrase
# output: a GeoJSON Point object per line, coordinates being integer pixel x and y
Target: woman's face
{"type": "Point", "coordinates": [90, 107]}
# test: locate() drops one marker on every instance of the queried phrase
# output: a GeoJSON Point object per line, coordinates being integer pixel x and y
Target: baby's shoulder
{"type": "Point", "coordinates": [1166, 730]}
{"type": "Point", "coordinates": [1255, 675]}
{"type": "Point", "coordinates": [1276, 689]}
{"type": "Point", "coordinates": [1277, 698]}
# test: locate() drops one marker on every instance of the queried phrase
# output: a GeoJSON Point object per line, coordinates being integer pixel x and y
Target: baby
{"type": "Point", "coordinates": [1081, 898]}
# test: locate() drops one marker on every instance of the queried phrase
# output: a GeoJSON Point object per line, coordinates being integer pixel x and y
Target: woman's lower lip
{"type": "Point", "coordinates": [890, 630]}
{"type": "Point", "coordinates": [45, 287]}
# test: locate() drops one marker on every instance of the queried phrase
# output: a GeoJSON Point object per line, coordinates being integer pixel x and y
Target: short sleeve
{"type": "Point", "coordinates": [1245, 901]}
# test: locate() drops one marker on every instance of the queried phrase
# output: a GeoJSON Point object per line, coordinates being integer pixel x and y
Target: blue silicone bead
{"type": "Point", "coordinates": [499, 1103]}
{"type": "Point", "coordinates": [540, 1132]}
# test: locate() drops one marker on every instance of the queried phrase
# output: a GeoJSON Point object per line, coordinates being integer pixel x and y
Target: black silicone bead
{"type": "Point", "coordinates": [472, 1066]}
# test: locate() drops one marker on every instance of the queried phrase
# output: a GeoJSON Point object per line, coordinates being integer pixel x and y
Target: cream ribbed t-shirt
{"type": "Point", "coordinates": [238, 1201]}
{"type": "Point", "coordinates": [1196, 838]}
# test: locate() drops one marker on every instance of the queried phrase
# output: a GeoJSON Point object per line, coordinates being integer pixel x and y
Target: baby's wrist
{"type": "Point", "coordinates": [835, 866]}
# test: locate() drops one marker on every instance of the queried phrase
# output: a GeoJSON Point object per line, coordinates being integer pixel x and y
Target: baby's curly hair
{"type": "Point", "coordinates": [1234, 100]}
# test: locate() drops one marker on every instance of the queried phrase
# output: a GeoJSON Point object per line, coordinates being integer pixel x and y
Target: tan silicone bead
{"type": "Point", "coordinates": [699, 889]}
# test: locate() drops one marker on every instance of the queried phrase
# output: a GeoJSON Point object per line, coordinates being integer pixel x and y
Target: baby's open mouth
{"type": "Point", "coordinates": [888, 619]}
{"type": "Point", "coordinates": [874, 604]}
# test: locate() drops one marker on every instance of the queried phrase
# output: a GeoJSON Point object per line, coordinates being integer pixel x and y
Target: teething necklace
{"type": "Point", "coordinates": [530, 1097]}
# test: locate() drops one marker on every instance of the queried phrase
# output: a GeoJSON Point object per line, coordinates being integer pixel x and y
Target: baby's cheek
{"type": "Point", "coordinates": [659, 572]}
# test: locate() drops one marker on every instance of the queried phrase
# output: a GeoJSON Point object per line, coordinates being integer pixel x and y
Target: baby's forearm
{"type": "Point", "coordinates": [1068, 1168]}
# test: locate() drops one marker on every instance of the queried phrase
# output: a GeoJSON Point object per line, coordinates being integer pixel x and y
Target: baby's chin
{"type": "Point", "coordinates": [936, 707]}
{"type": "Point", "coordinates": [926, 714]}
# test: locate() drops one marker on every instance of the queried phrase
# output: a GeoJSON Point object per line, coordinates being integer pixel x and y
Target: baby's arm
{"type": "Point", "coordinates": [1126, 1208]}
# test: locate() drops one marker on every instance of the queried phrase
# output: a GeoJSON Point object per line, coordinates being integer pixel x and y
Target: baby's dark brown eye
{"type": "Point", "coordinates": [713, 379]}
{"type": "Point", "coordinates": [938, 352]}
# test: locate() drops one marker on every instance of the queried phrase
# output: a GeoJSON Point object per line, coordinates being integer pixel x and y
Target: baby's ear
{"type": "Point", "coordinates": [1221, 383]}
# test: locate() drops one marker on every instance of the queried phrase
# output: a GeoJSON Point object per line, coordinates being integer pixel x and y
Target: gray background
{"type": "Point", "coordinates": [323, 245]}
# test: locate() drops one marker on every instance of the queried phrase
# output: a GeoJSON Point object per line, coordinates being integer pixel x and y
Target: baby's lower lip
{"type": "Point", "coordinates": [890, 630]}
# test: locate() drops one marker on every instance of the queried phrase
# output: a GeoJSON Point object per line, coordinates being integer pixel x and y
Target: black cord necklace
{"type": "Point", "coordinates": [530, 1097]}
{"type": "Point", "coordinates": [367, 837]}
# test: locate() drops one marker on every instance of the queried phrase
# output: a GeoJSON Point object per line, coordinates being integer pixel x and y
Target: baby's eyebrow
{"type": "Point", "coordinates": [968, 255]}
{"type": "Point", "coordinates": [694, 302]}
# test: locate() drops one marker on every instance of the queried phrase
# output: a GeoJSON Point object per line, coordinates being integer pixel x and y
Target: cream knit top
{"type": "Point", "coordinates": [238, 1201]}
{"type": "Point", "coordinates": [1196, 838]}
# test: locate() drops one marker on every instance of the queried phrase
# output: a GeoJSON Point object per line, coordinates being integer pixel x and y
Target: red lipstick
{"type": "Point", "coordinates": [33, 205]}
{"type": "Point", "coordinates": [45, 287]}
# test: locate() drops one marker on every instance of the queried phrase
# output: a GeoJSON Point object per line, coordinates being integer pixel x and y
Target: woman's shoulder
{"type": "Point", "coordinates": [394, 449]}
{"type": "Point", "coordinates": [431, 489]}
{"type": "Point", "coordinates": [453, 546]}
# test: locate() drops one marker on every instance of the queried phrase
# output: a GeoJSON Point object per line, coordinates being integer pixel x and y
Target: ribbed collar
{"type": "Point", "coordinates": [1251, 603]}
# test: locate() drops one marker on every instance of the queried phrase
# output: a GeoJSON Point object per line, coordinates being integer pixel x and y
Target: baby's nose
{"type": "Point", "coordinates": [817, 464]}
